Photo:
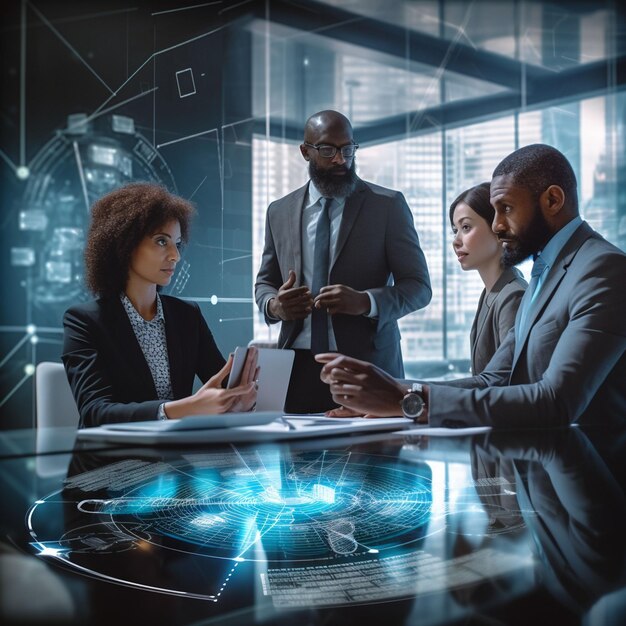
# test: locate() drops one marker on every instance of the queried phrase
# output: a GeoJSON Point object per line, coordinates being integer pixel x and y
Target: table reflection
{"type": "Point", "coordinates": [330, 527]}
{"type": "Point", "coordinates": [411, 529]}
{"type": "Point", "coordinates": [570, 501]}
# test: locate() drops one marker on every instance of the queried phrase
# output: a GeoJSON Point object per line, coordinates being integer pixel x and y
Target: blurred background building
{"type": "Point", "coordinates": [209, 99]}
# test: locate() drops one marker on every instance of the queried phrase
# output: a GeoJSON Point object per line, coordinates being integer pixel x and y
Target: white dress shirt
{"type": "Point", "coordinates": [310, 215]}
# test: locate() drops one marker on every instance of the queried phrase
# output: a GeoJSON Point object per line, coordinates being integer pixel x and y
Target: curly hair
{"type": "Point", "coordinates": [119, 222]}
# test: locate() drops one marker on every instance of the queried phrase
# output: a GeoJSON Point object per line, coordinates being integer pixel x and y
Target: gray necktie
{"type": "Point", "coordinates": [319, 317]}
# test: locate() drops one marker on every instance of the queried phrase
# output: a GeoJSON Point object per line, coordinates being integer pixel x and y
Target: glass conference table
{"type": "Point", "coordinates": [497, 528]}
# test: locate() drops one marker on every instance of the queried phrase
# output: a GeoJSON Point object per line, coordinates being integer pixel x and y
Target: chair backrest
{"type": "Point", "coordinates": [55, 405]}
{"type": "Point", "coordinates": [263, 343]}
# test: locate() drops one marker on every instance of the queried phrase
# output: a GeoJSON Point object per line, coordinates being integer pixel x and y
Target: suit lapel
{"type": "Point", "coordinates": [350, 213]}
{"type": "Point", "coordinates": [488, 298]}
{"type": "Point", "coordinates": [173, 334]}
{"type": "Point", "coordinates": [123, 336]}
{"type": "Point", "coordinates": [295, 209]}
{"type": "Point", "coordinates": [475, 331]}
{"type": "Point", "coordinates": [553, 280]}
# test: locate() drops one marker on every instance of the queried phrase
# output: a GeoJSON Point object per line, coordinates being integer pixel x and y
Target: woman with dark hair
{"type": "Point", "coordinates": [133, 354]}
{"type": "Point", "coordinates": [477, 248]}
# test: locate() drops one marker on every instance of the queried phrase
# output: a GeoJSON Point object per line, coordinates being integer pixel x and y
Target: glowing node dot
{"type": "Point", "coordinates": [213, 299]}
{"type": "Point", "coordinates": [31, 329]}
{"type": "Point", "coordinates": [373, 551]}
{"type": "Point", "coordinates": [239, 559]}
{"type": "Point", "coordinates": [22, 172]}
{"type": "Point", "coordinates": [29, 369]}
{"type": "Point", "coordinates": [34, 339]}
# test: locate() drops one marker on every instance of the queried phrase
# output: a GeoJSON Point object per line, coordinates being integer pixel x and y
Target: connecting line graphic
{"type": "Point", "coordinates": [81, 172]}
{"type": "Point", "coordinates": [259, 534]}
{"type": "Point", "coordinates": [62, 553]}
{"type": "Point", "coordinates": [347, 460]}
{"type": "Point", "coordinates": [152, 56]}
{"type": "Point", "coordinates": [436, 79]}
{"type": "Point", "coordinates": [193, 6]}
{"type": "Point", "coordinates": [93, 116]}
{"type": "Point", "coordinates": [233, 6]}
{"type": "Point", "coordinates": [252, 472]}
{"type": "Point", "coordinates": [23, 87]}
{"type": "Point", "coordinates": [198, 187]}
{"type": "Point", "coordinates": [45, 20]}
{"type": "Point", "coordinates": [203, 132]}
{"type": "Point", "coordinates": [28, 370]}
{"type": "Point", "coordinates": [8, 161]}
{"type": "Point", "coordinates": [319, 475]}
{"type": "Point", "coordinates": [330, 531]}
{"type": "Point", "coordinates": [30, 335]}
{"type": "Point", "coordinates": [15, 348]}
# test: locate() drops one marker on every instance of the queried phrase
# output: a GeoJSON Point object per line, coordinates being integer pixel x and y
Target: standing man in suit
{"type": "Point", "coordinates": [342, 263]}
{"type": "Point", "coordinates": [565, 358]}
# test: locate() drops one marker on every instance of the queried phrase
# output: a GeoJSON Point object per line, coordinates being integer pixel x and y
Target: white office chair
{"type": "Point", "coordinates": [55, 406]}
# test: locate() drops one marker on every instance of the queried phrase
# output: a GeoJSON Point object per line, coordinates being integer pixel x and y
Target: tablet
{"type": "Point", "coordinates": [200, 422]}
{"type": "Point", "coordinates": [274, 373]}
{"type": "Point", "coordinates": [239, 360]}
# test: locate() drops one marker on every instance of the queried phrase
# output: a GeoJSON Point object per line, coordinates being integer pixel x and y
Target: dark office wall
{"type": "Point", "coordinates": [150, 91]}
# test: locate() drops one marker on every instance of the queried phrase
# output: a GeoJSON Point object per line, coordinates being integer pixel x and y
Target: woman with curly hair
{"type": "Point", "coordinates": [133, 354]}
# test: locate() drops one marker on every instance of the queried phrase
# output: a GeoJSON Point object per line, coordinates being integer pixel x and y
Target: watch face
{"type": "Point", "coordinates": [412, 405]}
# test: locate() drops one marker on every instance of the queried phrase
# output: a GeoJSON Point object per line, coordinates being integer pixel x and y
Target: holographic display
{"type": "Point", "coordinates": [82, 162]}
{"type": "Point", "coordinates": [312, 528]}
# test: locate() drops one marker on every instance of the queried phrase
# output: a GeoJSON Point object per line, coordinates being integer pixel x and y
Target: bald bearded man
{"type": "Point", "coordinates": [341, 264]}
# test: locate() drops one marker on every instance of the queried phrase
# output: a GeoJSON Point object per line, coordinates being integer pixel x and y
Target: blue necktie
{"type": "Point", "coordinates": [535, 273]}
{"type": "Point", "coordinates": [319, 317]}
{"type": "Point", "coordinates": [537, 270]}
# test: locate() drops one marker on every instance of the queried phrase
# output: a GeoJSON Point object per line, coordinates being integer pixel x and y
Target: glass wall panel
{"type": "Point", "coordinates": [210, 100]}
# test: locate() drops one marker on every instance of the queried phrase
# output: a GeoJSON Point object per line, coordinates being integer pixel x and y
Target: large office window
{"type": "Point", "coordinates": [210, 98]}
{"type": "Point", "coordinates": [432, 129]}
{"type": "Point", "coordinates": [431, 170]}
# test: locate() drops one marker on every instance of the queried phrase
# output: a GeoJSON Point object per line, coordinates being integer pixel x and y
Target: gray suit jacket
{"type": "Point", "coordinates": [377, 241]}
{"type": "Point", "coordinates": [570, 363]}
{"type": "Point", "coordinates": [500, 306]}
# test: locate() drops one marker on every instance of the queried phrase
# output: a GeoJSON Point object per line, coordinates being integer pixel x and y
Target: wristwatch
{"type": "Point", "coordinates": [413, 403]}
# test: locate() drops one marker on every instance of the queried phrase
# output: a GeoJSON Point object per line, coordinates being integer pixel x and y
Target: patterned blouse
{"type": "Point", "coordinates": [153, 342]}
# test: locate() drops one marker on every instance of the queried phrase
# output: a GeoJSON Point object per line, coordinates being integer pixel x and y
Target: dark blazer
{"type": "Point", "coordinates": [570, 502]}
{"type": "Point", "coordinates": [570, 362]}
{"type": "Point", "coordinates": [377, 249]}
{"type": "Point", "coordinates": [500, 305]}
{"type": "Point", "coordinates": [106, 369]}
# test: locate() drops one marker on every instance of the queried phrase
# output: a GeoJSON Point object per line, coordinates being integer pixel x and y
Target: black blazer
{"type": "Point", "coordinates": [106, 369]}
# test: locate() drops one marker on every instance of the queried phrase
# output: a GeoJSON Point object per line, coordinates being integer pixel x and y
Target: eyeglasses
{"type": "Point", "coordinates": [328, 152]}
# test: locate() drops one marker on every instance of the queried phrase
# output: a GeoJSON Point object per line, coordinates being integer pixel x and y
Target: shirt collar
{"type": "Point", "coordinates": [558, 241]}
{"type": "Point", "coordinates": [314, 193]}
{"type": "Point", "coordinates": [134, 315]}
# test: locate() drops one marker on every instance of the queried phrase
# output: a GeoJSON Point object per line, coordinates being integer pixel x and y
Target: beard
{"type": "Point", "coordinates": [331, 183]}
{"type": "Point", "coordinates": [531, 241]}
